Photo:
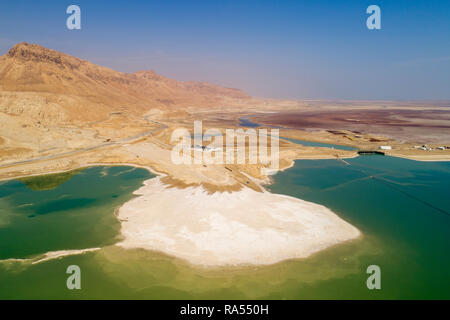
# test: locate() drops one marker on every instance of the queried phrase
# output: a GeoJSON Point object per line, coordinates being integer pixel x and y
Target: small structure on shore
{"type": "Point", "coordinates": [385, 148]}
{"type": "Point", "coordinates": [370, 152]}
{"type": "Point", "coordinates": [425, 147]}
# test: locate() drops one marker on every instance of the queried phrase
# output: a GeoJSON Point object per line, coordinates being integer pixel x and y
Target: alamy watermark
{"type": "Point", "coordinates": [74, 20]}
{"type": "Point", "coordinates": [374, 20]}
{"type": "Point", "coordinates": [374, 280]}
{"type": "Point", "coordinates": [240, 146]}
{"type": "Point", "coordinates": [74, 280]}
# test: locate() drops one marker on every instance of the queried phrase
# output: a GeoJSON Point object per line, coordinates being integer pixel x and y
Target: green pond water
{"type": "Point", "coordinates": [401, 207]}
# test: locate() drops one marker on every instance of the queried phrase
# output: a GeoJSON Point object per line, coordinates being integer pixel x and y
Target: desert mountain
{"type": "Point", "coordinates": [47, 84]}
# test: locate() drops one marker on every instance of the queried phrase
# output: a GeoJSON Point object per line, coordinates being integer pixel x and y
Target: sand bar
{"type": "Point", "coordinates": [49, 256]}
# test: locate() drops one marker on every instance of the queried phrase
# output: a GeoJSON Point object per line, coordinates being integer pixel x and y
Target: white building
{"type": "Point", "coordinates": [385, 147]}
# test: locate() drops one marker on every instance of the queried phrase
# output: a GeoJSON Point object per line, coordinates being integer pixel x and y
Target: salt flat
{"type": "Point", "coordinates": [243, 227]}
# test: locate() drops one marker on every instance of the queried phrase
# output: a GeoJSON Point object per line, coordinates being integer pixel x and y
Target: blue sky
{"type": "Point", "coordinates": [282, 49]}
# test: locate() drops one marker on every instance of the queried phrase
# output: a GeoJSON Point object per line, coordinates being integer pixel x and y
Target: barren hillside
{"type": "Point", "coordinates": [47, 84]}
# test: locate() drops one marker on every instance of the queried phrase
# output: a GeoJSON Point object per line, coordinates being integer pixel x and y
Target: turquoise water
{"type": "Point", "coordinates": [78, 213]}
{"type": "Point", "coordinates": [244, 122]}
{"type": "Point", "coordinates": [401, 207]}
{"type": "Point", "coordinates": [403, 204]}
{"type": "Point", "coordinates": [319, 144]}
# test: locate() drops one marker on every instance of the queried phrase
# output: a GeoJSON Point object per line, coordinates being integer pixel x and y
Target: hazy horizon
{"type": "Point", "coordinates": [291, 50]}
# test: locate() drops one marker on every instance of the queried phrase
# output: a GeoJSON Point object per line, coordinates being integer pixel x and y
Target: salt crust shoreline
{"type": "Point", "coordinates": [243, 227]}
